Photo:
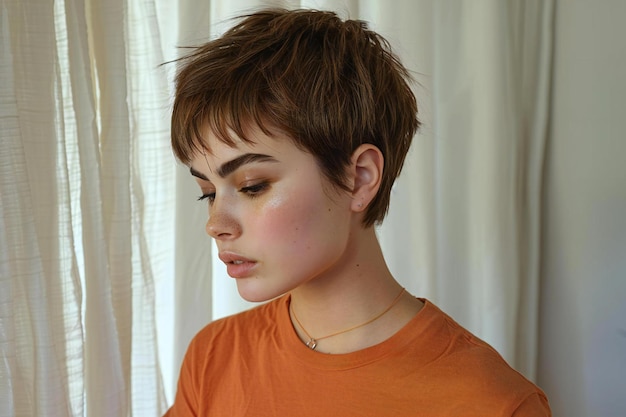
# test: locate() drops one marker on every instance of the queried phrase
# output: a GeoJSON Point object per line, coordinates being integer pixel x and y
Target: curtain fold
{"type": "Point", "coordinates": [108, 306]}
{"type": "Point", "coordinates": [532, 27]}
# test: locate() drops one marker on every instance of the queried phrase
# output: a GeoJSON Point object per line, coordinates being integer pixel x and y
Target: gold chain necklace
{"type": "Point", "coordinates": [312, 343]}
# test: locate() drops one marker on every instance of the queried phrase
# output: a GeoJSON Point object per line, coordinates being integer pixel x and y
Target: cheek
{"type": "Point", "coordinates": [300, 221]}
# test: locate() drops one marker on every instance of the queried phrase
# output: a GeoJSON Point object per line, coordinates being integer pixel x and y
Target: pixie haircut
{"type": "Point", "coordinates": [330, 85]}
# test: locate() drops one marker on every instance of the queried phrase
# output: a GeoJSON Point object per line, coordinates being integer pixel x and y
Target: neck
{"type": "Point", "coordinates": [359, 288]}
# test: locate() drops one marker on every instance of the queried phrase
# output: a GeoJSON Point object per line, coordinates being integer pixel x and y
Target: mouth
{"type": "Point", "coordinates": [237, 266]}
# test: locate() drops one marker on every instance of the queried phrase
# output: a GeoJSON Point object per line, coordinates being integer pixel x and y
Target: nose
{"type": "Point", "coordinates": [222, 224]}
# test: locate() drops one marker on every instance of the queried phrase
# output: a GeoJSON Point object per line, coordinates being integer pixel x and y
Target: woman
{"type": "Point", "coordinates": [295, 124]}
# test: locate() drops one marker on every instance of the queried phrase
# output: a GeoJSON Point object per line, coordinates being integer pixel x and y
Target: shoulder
{"type": "Point", "coordinates": [211, 350]}
{"type": "Point", "coordinates": [209, 361]}
{"type": "Point", "coordinates": [474, 370]}
{"type": "Point", "coordinates": [250, 324]}
{"type": "Point", "coordinates": [458, 345]}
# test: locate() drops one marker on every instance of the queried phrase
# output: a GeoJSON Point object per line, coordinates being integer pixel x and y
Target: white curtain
{"type": "Point", "coordinates": [464, 223]}
{"type": "Point", "coordinates": [105, 270]}
{"type": "Point", "coordinates": [86, 182]}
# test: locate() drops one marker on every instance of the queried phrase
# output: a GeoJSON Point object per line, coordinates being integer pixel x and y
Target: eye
{"type": "Point", "coordinates": [254, 190]}
{"type": "Point", "coordinates": [210, 197]}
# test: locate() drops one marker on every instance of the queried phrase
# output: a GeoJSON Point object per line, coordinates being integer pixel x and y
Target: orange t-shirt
{"type": "Point", "coordinates": [254, 364]}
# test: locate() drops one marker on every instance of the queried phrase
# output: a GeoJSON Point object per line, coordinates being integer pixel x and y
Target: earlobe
{"type": "Point", "coordinates": [368, 164]}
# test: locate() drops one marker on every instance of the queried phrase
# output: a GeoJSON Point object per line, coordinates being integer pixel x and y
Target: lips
{"type": "Point", "coordinates": [237, 266]}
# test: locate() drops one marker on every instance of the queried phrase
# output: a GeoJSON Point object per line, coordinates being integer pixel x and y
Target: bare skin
{"type": "Point", "coordinates": [364, 289]}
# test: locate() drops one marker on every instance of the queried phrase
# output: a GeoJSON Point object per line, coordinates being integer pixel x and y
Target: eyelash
{"type": "Point", "coordinates": [252, 191]}
{"type": "Point", "coordinates": [210, 197]}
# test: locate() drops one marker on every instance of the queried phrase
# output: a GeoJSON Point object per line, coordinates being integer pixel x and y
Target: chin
{"type": "Point", "coordinates": [254, 292]}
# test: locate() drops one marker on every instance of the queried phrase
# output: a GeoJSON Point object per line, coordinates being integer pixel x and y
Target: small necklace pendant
{"type": "Point", "coordinates": [311, 344]}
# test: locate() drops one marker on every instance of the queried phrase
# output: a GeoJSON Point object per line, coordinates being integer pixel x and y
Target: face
{"type": "Point", "coordinates": [277, 221]}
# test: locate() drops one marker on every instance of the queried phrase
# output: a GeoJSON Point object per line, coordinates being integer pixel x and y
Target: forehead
{"type": "Point", "coordinates": [253, 139]}
{"type": "Point", "coordinates": [217, 153]}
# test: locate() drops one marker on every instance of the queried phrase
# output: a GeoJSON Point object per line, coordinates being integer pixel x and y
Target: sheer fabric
{"type": "Point", "coordinates": [86, 181]}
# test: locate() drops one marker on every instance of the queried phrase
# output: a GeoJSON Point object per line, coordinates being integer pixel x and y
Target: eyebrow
{"type": "Point", "coordinates": [233, 165]}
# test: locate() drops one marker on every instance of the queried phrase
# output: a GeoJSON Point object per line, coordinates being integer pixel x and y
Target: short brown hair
{"type": "Point", "coordinates": [330, 85]}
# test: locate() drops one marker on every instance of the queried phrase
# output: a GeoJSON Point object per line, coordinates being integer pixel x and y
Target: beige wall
{"type": "Point", "coordinates": [582, 363]}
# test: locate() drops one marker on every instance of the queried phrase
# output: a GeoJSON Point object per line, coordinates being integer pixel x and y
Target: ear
{"type": "Point", "coordinates": [367, 167]}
